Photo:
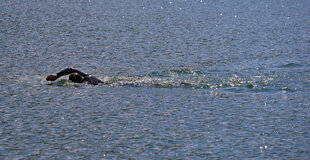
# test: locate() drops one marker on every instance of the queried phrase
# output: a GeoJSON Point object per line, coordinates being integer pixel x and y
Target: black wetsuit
{"type": "Point", "coordinates": [88, 79]}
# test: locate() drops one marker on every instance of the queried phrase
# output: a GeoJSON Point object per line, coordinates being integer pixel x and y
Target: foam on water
{"type": "Point", "coordinates": [186, 78]}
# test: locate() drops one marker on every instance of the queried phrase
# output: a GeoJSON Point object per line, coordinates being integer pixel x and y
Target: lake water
{"type": "Point", "coordinates": [192, 79]}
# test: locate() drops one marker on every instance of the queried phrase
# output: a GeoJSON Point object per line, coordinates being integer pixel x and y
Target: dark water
{"type": "Point", "coordinates": [212, 79]}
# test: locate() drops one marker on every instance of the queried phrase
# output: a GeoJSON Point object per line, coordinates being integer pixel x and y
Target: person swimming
{"type": "Point", "coordinates": [75, 76]}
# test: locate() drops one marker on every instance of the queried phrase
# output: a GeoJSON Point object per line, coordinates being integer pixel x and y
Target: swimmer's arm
{"type": "Point", "coordinates": [69, 71]}
{"type": "Point", "coordinates": [64, 72]}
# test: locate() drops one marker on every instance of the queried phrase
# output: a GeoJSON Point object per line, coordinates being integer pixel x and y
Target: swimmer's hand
{"type": "Point", "coordinates": [51, 77]}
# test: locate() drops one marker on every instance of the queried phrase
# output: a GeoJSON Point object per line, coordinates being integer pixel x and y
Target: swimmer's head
{"type": "Point", "coordinates": [75, 77]}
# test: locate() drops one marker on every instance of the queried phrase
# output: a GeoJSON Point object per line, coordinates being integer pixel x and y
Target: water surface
{"type": "Point", "coordinates": [191, 79]}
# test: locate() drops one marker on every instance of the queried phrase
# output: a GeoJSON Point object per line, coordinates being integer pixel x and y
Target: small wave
{"type": "Point", "coordinates": [291, 65]}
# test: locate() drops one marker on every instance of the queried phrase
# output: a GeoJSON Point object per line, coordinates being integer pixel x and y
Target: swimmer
{"type": "Point", "coordinates": [75, 76]}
